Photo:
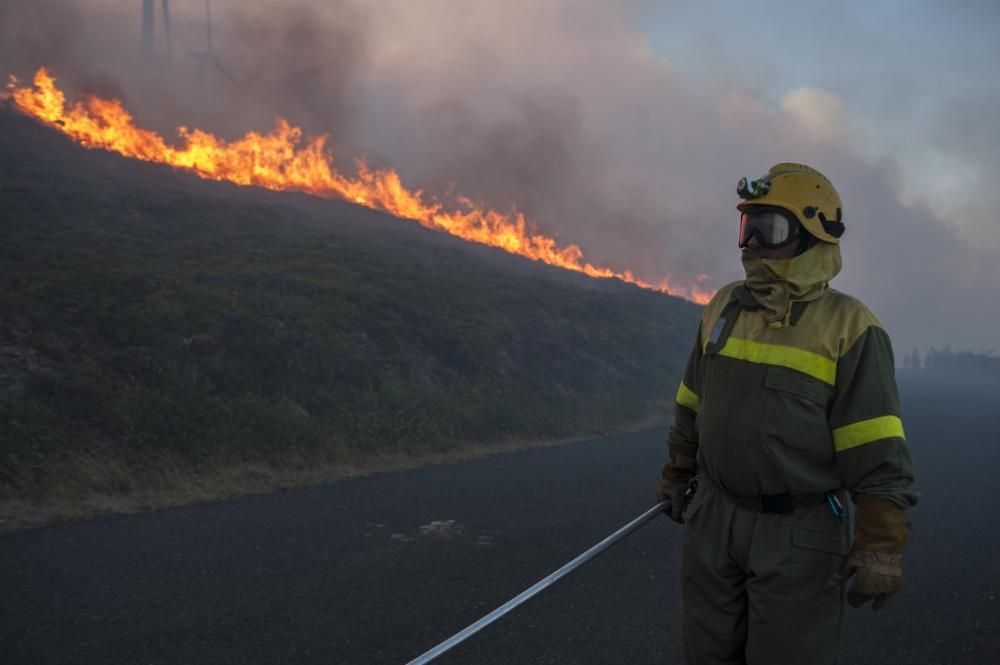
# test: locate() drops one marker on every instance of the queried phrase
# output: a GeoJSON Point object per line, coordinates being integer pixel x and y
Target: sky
{"type": "Point", "coordinates": [907, 73]}
{"type": "Point", "coordinates": [622, 127]}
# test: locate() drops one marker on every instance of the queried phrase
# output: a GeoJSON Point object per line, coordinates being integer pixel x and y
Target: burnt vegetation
{"type": "Point", "coordinates": [156, 328]}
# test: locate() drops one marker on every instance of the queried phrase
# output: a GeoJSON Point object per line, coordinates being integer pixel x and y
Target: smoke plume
{"type": "Point", "coordinates": [560, 108]}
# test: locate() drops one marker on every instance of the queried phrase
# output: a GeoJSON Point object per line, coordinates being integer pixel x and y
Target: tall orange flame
{"type": "Point", "coordinates": [281, 160]}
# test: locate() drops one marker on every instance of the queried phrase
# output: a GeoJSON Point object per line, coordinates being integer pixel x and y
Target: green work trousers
{"type": "Point", "coordinates": [753, 584]}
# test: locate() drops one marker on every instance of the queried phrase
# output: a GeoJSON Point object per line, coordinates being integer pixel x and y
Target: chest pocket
{"type": "Point", "coordinates": [797, 407]}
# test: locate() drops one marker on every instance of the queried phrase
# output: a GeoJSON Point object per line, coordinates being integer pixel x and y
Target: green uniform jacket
{"type": "Point", "coordinates": [801, 408]}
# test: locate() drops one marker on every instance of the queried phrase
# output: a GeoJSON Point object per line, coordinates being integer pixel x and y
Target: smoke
{"type": "Point", "coordinates": [966, 138]}
{"type": "Point", "coordinates": [557, 107]}
{"type": "Point", "coordinates": [301, 60]}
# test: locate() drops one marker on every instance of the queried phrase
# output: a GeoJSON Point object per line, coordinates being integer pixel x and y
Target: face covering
{"type": "Point", "coordinates": [777, 283]}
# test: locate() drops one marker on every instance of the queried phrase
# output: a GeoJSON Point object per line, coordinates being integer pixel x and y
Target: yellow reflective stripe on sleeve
{"type": "Point", "coordinates": [866, 431]}
{"type": "Point", "coordinates": [687, 397]}
{"type": "Point", "coordinates": [807, 362]}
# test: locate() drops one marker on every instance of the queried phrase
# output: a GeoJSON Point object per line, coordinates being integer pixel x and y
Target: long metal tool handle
{"type": "Point", "coordinates": [543, 584]}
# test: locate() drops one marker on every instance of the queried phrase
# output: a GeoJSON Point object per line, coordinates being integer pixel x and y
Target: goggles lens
{"type": "Point", "coordinates": [773, 227]}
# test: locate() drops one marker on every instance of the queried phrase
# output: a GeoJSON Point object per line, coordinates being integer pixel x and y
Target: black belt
{"type": "Point", "coordinates": [782, 504]}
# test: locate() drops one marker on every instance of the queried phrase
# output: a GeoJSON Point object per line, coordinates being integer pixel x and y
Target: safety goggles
{"type": "Point", "coordinates": [774, 227]}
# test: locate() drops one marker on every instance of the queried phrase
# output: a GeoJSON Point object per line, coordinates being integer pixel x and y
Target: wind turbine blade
{"type": "Point", "coordinates": [202, 62]}
{"type": "Point", "coordinates": [225, 72]}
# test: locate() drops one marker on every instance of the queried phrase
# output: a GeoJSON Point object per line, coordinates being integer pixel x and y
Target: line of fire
{"type": "Point", "coordinates": [286, 160]}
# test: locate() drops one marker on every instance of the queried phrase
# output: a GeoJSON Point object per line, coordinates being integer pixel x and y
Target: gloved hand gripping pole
{"type": "Point", "coordinates": [541, 585]}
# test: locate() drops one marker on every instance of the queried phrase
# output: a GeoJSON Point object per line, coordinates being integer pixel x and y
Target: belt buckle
{"type": "Point", "coordinates": [777, 503]}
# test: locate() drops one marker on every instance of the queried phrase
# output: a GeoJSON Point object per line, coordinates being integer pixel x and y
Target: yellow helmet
{"type": "Point", "coordinates": [802, 191]}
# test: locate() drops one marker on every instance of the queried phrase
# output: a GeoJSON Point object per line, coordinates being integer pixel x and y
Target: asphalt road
{"type": "Point", "coordinates": [378, 570]}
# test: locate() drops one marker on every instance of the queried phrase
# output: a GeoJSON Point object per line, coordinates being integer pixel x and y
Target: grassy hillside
{"type": "Point", "coordinates": [160, 332]}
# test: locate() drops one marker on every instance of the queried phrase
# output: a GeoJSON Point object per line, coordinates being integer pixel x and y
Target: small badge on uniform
{"type": "Point", "coordinates": [720, 325]}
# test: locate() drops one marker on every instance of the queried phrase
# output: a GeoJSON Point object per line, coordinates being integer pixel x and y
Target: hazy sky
{"type": "Point", "coordinates": [622, 127]}
{"type": "Point", "coordinates": [917, 78]}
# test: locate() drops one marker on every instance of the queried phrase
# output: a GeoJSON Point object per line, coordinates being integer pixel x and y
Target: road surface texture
{"type": "Point", "coordinates": [378, 570]}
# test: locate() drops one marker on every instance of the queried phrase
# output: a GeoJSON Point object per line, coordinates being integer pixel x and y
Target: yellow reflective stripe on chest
{"type": "Point", "coordinates": [689, 398]}
{"type": "Point", "coordinates": [807, 362]}
{"type": "Point", "coordinates": [867, 431]}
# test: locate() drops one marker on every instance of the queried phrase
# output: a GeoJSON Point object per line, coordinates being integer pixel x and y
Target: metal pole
{"type": "Point", "coordinates": [147, 31]}
{"type": "Point", "coordinates": [543, 584]}
{"type": "Point", "coordinates": [166, 27]}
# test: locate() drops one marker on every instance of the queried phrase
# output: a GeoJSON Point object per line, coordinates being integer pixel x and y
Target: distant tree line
{"type": "Point", "coordinates": [946, 359]}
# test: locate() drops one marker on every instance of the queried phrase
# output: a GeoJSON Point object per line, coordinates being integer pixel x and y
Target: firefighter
{"type": "Point", "coordinates": [788, 406]}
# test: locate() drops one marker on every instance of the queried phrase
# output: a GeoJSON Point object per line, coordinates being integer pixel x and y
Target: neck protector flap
{"type": "Point", "coordinates": [776, 283]}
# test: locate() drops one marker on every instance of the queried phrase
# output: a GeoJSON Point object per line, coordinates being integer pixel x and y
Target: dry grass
{"type": "Point", "coordinates": [176, 486]}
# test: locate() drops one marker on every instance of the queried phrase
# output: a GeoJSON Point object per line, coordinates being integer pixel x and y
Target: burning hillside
{"type": "Point", "coordinates": [285, 160]}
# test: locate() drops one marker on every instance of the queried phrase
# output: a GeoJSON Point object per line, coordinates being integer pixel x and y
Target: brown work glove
{"type": "Point", "coordinates": [677, 474]}
{"type": "Point", "coordinates": [874, 559]}
{"type": "Point", "coordinates": [673, 489]}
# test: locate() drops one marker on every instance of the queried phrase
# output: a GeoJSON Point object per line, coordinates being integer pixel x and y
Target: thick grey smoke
{"type": "Point", "coordinates": [558, 107]}
{"type": "Point", "coordinates": [301, 60]}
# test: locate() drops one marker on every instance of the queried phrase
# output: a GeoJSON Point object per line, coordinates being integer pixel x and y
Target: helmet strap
{"type": "Point", "coordinates": [805, 242]}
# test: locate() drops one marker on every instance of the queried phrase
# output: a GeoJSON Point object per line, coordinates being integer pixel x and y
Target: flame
{"type": "Point", "coordinates": [283, 160]}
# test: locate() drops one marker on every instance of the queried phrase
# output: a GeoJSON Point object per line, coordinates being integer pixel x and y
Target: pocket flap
{"type": "Point", "coordinates": [819, 540]}
{"type": "Point", "coordinates": [798, 384]}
